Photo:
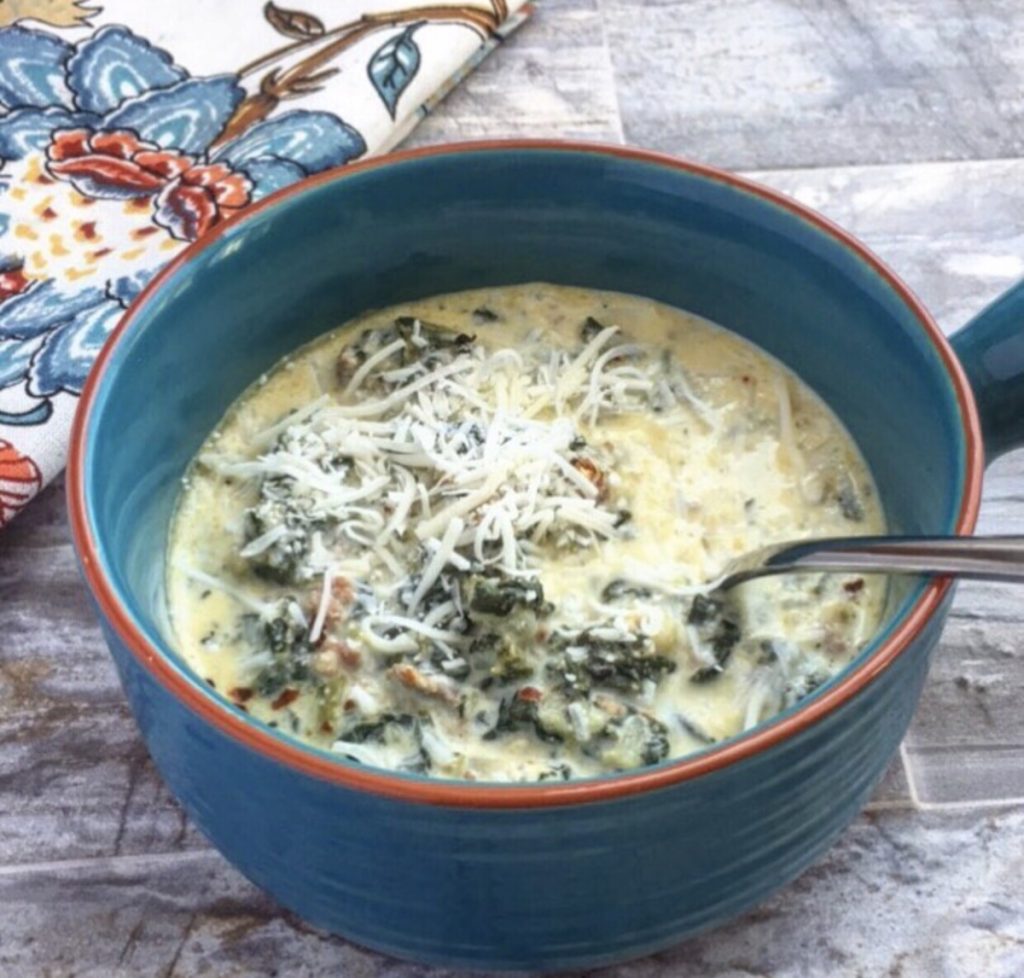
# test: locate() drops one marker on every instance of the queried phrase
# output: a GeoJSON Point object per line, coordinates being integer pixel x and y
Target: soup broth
{"type": "Point", "coordinates": [472, 536]}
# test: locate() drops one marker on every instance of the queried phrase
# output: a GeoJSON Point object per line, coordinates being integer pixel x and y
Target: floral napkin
{"type": "Point", "coordinates": [128, 129]}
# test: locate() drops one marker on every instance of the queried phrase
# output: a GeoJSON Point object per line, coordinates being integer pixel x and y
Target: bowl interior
{"type": "Point", "coordinates": [462, 219]}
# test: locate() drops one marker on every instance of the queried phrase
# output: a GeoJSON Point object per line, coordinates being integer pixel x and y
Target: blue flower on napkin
{"type": "Point", "coordinates": [113, 157]}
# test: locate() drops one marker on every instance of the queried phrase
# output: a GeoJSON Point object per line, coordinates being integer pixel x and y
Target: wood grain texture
{"type": "Point", "coordinates": [552, 79]}
{"type": "Point", "coordinates": [770, 83]}
{"type": "Point", "coordinates": [100, 874]}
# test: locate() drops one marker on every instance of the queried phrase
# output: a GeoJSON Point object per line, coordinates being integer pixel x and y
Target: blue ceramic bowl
{"type": "Point", "coordinates": [531, 876]}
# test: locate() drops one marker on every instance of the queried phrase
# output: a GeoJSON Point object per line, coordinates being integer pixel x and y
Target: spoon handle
{"type": "Point", "coordinates": [996, 558]}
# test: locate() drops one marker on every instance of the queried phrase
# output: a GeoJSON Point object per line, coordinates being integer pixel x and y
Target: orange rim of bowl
{"type": "Point", "coordinates": [464, 794]}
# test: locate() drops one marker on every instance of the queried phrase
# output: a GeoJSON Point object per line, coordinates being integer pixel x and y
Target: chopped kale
{"type": "Point", "coordinates": [849, 503]}
{"type": "Point", "coordinates": [720, 632]}
{"type": "Point", "coordinates": [516, 713]}
{"type": "Point", "coordinates": [436, 337]}
{"type": "Point", "coordinates": [703, 610]}
{"type": "Point", "coordinates": [621, 588]}
{"type": "Point", "coordinates": [577, 444]}
{"type": "Point", "coordinates": [508, 659]}
{"type": "Point", "coordinates": [375, 730]}
{"type": "Point", "coordinates": [493, 593]}
{"type": "Point", "coordinates": [632, 740]}
{"type": "Point", "coordinates": [584, 661]}
{"type": "Point", "coordinates": [284, 635]}
{"type": "Point", "coordinates": [285, 639]}
{"type": "Point", "coordinates": [389, 729]}
{"type": "Point", "coordinates": [281, 562]}
{"type": "Point", "coordinates": [470, 435]}
{"type": "Point", "coordinates": [724, 640]}
{"type": "Point", "coordinates": [440, 592]}
{"type": "Point", "coordinates": [656, 747]}
{"type": "Point", "coordinates": [363, 601]}
{"type": "Point", "coordinates": [291, 514]}
{"type": "Point", "coordinates": [706, 673]}
{"type": "Point", "coordinates": [483, 315]}
{"type": "Point", "coordinates": [433, 344]}
{"type": "Point", "coordinates": [511, 664]}
{"type": "Point", "coordinates": [802, 686]}
{"type": "Point", "coordinates": [590, 328]}
{"type": "Point", "coordinates": [271, 680]}
{"type": "Point", "coordinates": [484, 644]}
{"type": "Point", "coordinates": [557, 772]}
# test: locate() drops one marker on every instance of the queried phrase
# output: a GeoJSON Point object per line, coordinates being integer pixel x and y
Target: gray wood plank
{"type": "Point", "coordinates": [75, 778]}
{"type": "Point", "coordinates": [769, 83]}
{"type": "Point", "coordinates": [551, 79]}
{"type": "Point", "coordinates": [76, 781]}
{"type": "Point", "coordinates": [953, 231]}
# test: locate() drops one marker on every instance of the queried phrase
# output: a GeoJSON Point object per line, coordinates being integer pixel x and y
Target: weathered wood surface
{"type": "Point", "coordinates": [100, 874]}
{"type": "Point", "coordinates": [769, 83]}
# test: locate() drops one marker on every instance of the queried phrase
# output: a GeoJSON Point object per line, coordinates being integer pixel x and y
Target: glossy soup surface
{"type": "Point", "coordinates": [471, 536]}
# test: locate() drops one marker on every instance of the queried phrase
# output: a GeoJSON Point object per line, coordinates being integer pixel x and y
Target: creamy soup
{"type": "Point", "coordinates": [476, 536]}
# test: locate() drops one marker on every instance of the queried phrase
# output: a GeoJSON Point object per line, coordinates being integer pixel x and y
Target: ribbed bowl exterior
{"type": "Point", "coordinates": [551, 888]}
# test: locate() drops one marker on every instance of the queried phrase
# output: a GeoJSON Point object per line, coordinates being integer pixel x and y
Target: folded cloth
{"type": "Point", "coordinates": [130, 129]}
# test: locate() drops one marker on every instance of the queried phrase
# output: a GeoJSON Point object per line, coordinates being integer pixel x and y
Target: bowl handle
{"type": "Point", "coordinates": [991, 348]}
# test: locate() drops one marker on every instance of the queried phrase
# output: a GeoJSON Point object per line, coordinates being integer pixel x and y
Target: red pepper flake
{"type": "Point", "coordinates": [530, 693]}
{"type": "Point", "coordinates": [241, 694]}
{"type": "Point", "coordinates": [101, 252]}
{"type": "Point", "coordinates": [287, 696]}
{"type": "Point", "coordinates": [852, 587]}
{"type": "Point", "coordinates": [746, 379]}
{"type": "Point", "coordinates": [48, 214]}
{"type": "Point", "coordinates": [43, 178]}
{"type": "Point", "coordinates": [144, 232]}
{"type": "Point", "coordinates": [589, 470]}
{"type": "Point", "coordinates": [325, 727]}
{"type": "Point", "coordinates": [88, 230]}
{"type": "Point", "coordinates": [348, 706]}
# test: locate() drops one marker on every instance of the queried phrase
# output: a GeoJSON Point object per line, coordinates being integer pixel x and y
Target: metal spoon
{"type": "Point", "coordinates": [981, 558]}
